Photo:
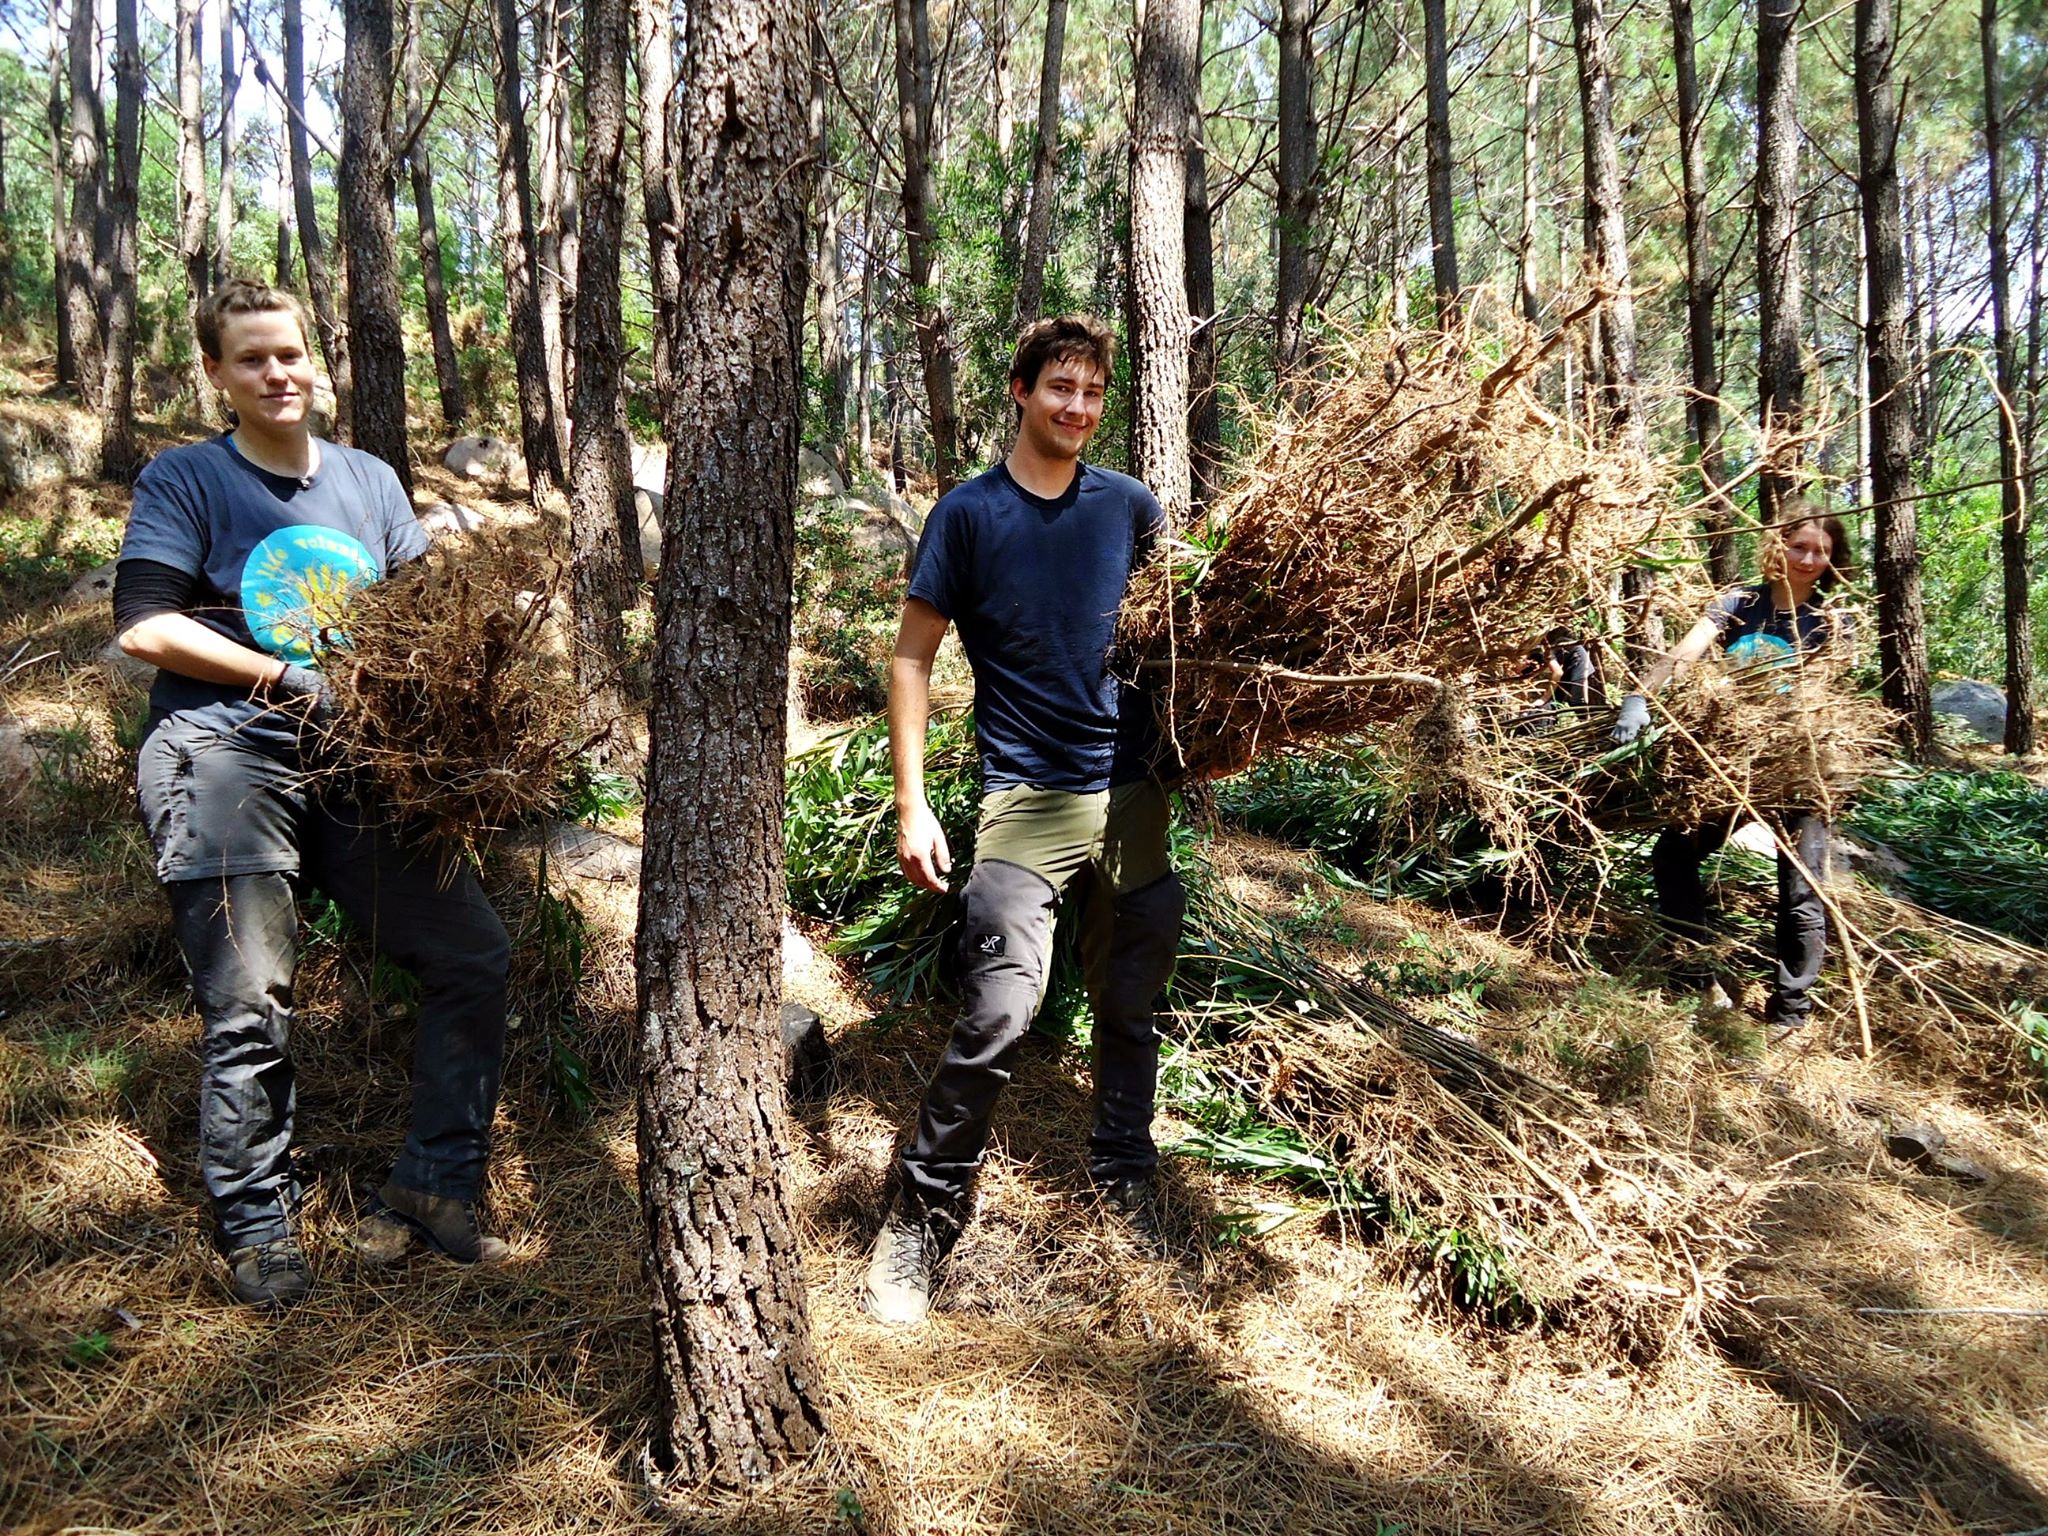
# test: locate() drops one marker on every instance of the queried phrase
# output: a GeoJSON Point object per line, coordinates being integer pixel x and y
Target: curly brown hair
{"type": "Point", "coordinates": [1062, 339]}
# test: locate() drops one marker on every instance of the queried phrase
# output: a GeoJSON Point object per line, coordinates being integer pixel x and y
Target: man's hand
{"type": "Point", "coordinates": [921, 849]}
{"type": "Point", "coordinates": [1631, 722]}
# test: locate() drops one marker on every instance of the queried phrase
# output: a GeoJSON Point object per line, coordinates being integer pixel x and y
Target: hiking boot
{"type": "Point", "coordinates": [898, 1287]}
{"type": "Point", "coordinates": [271, 1274]}
{"type": "Point", "coordinates": [1780, 1028]}
{"type": "Point", "coordinates": [380, 1237]}
{"type": "Point", "coordinates": [443, 1223]}
{"type": "Point", "coordinates": [1136, 1200]}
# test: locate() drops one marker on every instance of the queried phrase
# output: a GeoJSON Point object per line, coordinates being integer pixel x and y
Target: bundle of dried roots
{"type": "Point", "coordinates": [1422, 520]}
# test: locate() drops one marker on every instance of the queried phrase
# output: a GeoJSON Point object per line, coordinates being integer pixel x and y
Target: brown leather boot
{"type": "Point", "coordinates": [443, 1223]}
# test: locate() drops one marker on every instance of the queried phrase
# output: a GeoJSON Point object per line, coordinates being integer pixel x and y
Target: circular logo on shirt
{"type": "Point", "coordinates": [297, 586]}
{"type": "Point", "coordinates": [1761, 650]}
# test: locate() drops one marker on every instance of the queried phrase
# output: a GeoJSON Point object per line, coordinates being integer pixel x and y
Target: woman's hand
{"type": "Point", "coordinates": [1631, 722]}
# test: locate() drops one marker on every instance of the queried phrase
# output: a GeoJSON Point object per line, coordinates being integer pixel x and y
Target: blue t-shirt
{"type": "Point", "coordinates": [1034, 587]}
{"type": "Point", "coordinates": [1756, 631]}
{"type": "Point", "coordinates": [276, 559]}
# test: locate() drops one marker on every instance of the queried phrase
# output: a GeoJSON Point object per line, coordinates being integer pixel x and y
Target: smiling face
{"type": "Point", "coordinates": [1062, 410]}
{"type": "Point", "coordinates": [1806, 552]}
{"type": "Point", "coordinates": [265, 370]}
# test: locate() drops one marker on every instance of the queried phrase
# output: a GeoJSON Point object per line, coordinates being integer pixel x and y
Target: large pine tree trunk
{"type": "Point", "coordinates": [192, 206]}
{"type": "Point", "coordinates": [826, 277]}
{"type": "Point", "coordinates": [551, 287]}
{"type": "Point", "coordinates": [1205, 417]}
{"type": "Point", "coordinates": [376, 338]}
{"type": "Point", "coordinates": [600, 469]}
{"type": "Point", "coordinates": [1606, 229]}
{"type": "Point", "coordinates": [1443, 239]}
{"type": "Point", "coordinates": [655, 62]}
{"type": "Point", "coordinates": [934, 330]}
{"type": "Point", "coordinates": [224, 209]}
{"type": "Point", "coordinates": [85, 285]}
{"type": "Point", "coordinates": [1163, 103]}
{"type": "Point", "coordinates": [1702, 283]}
{"type": "Point", "coordinates": [1901, 628]}
{"type": "Point", "coordinates": [120, 457]}
{"type": "Point", "coordinates": [1296, 237]}
{"type": "Point", "coordinates": [1781, 372]}
{"type": "Point", "coordinates": [312, 248]}
{"type": "Point", "coordinates": [433, 281]}
{"type": "Point", "coordinates": [53, 119]}
{"type": "Point", "coordinates": [1044, 167]}
{"type": "Point", "coordinates": [538, 431]}
{"type": "Point", "coordinates": [739, 1390]}
{"type": "Point", "coordinates": [2012, 445]}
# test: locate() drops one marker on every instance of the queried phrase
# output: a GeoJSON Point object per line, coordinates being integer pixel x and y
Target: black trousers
{"type": "Point", "coordinates": [1802, 926]}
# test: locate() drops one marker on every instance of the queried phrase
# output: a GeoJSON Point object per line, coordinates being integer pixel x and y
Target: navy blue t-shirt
{"type": "Point", "coordinates": [1034, 586]}
{"type": "Point", "coordinates": [1754, 629]}
{"type": "Point", "coordinates": [275, 559]}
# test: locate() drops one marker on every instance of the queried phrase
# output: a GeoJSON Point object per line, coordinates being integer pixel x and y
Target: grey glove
{"type": "Point", "coordinates": [1630, 723]}
{"type": "Point", "coordinates": [306, 689]}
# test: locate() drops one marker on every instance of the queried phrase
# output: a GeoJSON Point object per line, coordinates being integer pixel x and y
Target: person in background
{"type": "Point", "coordinates": [1775, 622]}
{"type": "Point", "coordinates": [241, 555]}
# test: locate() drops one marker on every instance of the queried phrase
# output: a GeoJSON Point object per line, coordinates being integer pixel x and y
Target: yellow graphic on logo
{"type": "Point", "coordinates": [297, 586]}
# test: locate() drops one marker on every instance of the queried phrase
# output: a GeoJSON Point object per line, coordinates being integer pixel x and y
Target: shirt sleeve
{"type": "Point", "coordinates": [1725, 613]}
{"type": "Point", "coordinates": [939, 567]}
{"type": "Point", "coordinates": [1148, 520]}
{"type": "Point", "coordinates": [164, 524]}
{"type": "Point", "coordinates": [404, 538]}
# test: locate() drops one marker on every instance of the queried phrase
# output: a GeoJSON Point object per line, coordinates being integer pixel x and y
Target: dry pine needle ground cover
{"type": "Point", "coordinates": [1077, 1377]}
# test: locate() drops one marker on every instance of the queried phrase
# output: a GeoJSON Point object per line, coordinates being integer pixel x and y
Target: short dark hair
{"type": "Point", "coordinates": [1062, 339]}
{"type": "Point", "coordinates": [242, 296]}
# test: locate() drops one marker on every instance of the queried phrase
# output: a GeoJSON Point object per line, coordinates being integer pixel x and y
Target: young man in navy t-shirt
{"type": "Point", "coordinates": [1030, 562]}
{"type": "Point", "coordinates": [235, 577]}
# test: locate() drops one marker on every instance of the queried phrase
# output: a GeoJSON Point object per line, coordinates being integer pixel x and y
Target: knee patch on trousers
{"type": "Point", "coordinates": [1144, 940]}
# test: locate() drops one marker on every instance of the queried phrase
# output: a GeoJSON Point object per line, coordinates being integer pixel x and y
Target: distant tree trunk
{"type": "Point", "coordinates": [1532, 81]}
{"type": "Point", "coordinates": [1901, 628]}
{"type": "Point", "coordinates": [54, 120]}
{"type": "Point", "coordinates": [9, 300]}
{"type": "Point", "coordinates": [284, 222]}
{"type": "Point", "coordinates": [433, 281]}
{"type": "Point", "coordinates": [569, 197]}
{"type": "Point", "coordinates": [1205, 424]}
{"type": "Point", "coordinates": [1397, 221]}
{"type": "Point", "coordinates": [1294, 277]}
{"type": "Point", "coordinates": [119, 456]}
{"type": "Point", "coordinates": [539, 436]}
{"type": "Point", "coordinates": [86, 286]}
{"type": "Point", "coordinates": [825, 273]}
{"type": "Point", "coordinates": [224, 211]}
{"type": "Point", "coordinates": [934, 331]}
{"type": "Point", "coordinates": [1443, 238]}
{"type": "Point", "coordinates": [1606, 231]}
{"type": "Point", "coordinates": [376, 337]}
{"type": "Point", "coordinates": [1044, 167]}
{"type": "Point", "coordinates": [870, 333]}
{"type": "Point", "coordinates": [551, 106]}
{"type": "Point", "coordinates": [1162, 105]}
{"type": "Point", "coordinates": [319, 281]}
{"type": "Point", "coordinates": [1702, 283]}
{"type": "Point", "coordinates": [2012, 446]}
{"type": "Point", "coordinates": [1781, 372]}
{"type": "Point", "coordinates": [740, 1391]}
{"type": "Point", "coordinates": [600, 469]}
{"type": "Point", "coordinates": [192, 208]}
{"type": "Point", "coordinates": [655, 62]}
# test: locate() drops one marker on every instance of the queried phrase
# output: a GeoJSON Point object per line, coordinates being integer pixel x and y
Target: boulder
{"type": "Point", "coordinates": [815, 476]}
{"type": "Point", "coordinates": [647, 509]}
{"type": "Point", "coordinates": [1978, 705]}
{"type": "Point", "coordinates": [479, 458]}
{"type": "Point", "coordinates": [806, 1053]}
{"type": "Point", "coordinates": [881, 529]}
{"type": "Point", "coordinates": [650, 467]}
{"type": "Point", "coordinates": [40, 443]}
{"type": "Point", "coordinates": [18, 769]}
{"type": "Point", "coordinates": [589, 854]}
{"type": "Point", "coordinates": [124, 666]}
{"type": "Point", "coordinates": [1866, 858]}
{"type": "Point", "coordinates": [449, 520]}
{"type": "Point", "coordinates": [95, 586]}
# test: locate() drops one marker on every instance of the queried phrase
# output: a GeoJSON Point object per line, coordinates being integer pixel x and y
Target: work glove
{"type": "Point", "coordinates": [304, 689]}
{"type": "Point", "coordinates": [1630, 723]}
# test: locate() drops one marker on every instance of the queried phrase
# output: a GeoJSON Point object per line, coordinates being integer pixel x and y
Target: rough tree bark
{"type": "Point", "coordinates": [934, 329]}
{"type": "Point", "coordinates": [376, 337]}
{"type": "Point", "coordinates": [1044, 167]}
{"type": "Point", "coordinates": [1443, 238]}
{"type": "Point", "coordinates": [1781, 371]}
{"type": "Point", "coordinates": [192, 205]}
{"type": "Point", "coordinates": [85, 283]}
{"type": "Point", "coordinates": [2012, 446]}
{"type": "Point", "coordinates": [224, 209]}
{"type": "Point", "coordinates": [53, 118]}
{"type": "Point", "coordinates": [120, 457]}
{"type": "Point", "coordinates": [654, 56]}
{"type": "Point", "coordinates": [1205, 420]}
{"type": "Point", "coordinates": [1702, 286]}
{"type": "Point", "coordinates": [826, 282]}
{"type": "Point", "coordinates": [551, 107]}
{"type": "Point", "coordinates": [312, 249]}
{"type": "Point", "coordinates": [739, 1390]}
{"type": "Point", "coordinates": [433, 282]}
{"type": "Point", "coordinates": [284, 221]}
{"type": "Point", "coordinates": [539, 433]}
{"type": "Point", "coordinates": [1532, 84]}
{"type": "Point", "coordinates": [1294, 276]}
{"type": "Point", "coordinates": [1161, 107]}
{"type": "Point", "coordinates": [1606, 232]}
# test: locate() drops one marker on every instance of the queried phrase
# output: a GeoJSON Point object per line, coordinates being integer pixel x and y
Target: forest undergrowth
{"type": "Point", "coordinates": [1309, 1345]}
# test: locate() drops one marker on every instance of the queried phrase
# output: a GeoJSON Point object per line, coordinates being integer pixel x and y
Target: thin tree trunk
{"type": "Point", "coordinates": [1702, 282]}
{"type": "Point", "coordinates": [740, 1391]}
{"type": "Point", "coordinates": [1163, 104]}
{"type": "Point", "coordinates": [600, 470]}
{"type": "Point", "coordinates": [1606, 231]}
{"type": "Point", "coordinates": [1397, 221]}
{"type": "Point", "coordinates": [86, 288]}
{"type": "Point", "coordinates": [2012, 472]}
{"type": "Point", "coordinates": [551, 105]}
{"type": "Point", "coordinates": [1781, 371]}
{"type": "Point", "coordinates": [120, 458]}
{"type": "Point", "coordinates": [433, 281]}
{"type": "Point", "coordinates": [934, 331]}
{"type": "Point", "coordinates": [655, 63]}
{"type": "Point", "coordinates": [284, 222]}
{"type": "Point", "coordinates": [376, 337]}
{"type": "Point", "coordinates": [825, 273]}
{"type": "Point", "coordinates": [319, 281]}
{"type": "Point", "coordinates": [1443, 237]}
{"type": "Point", "coordinates": [224, 210]}
{"type": "Point", "coordinates": [54, 119]}
{"type": "Point", "coordinates": [1205, 426]}
{"type": "Point", "coordinates": [1532, 81]}
{"type": "Point", "coordinates": [192, 208]}
{"type": "Point", "coordinates": [1901, 627]}
{"type": "Point", "coordinates": [539, 435]}
{"type": "Point", "coordinates": [1044, 168]}
{"type": "Point", "coordinates": [569, 204]}
{"type": "Point", "coordinates": [1296, 237]}
{"type": "Point", "coordinates": [870, 333]}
